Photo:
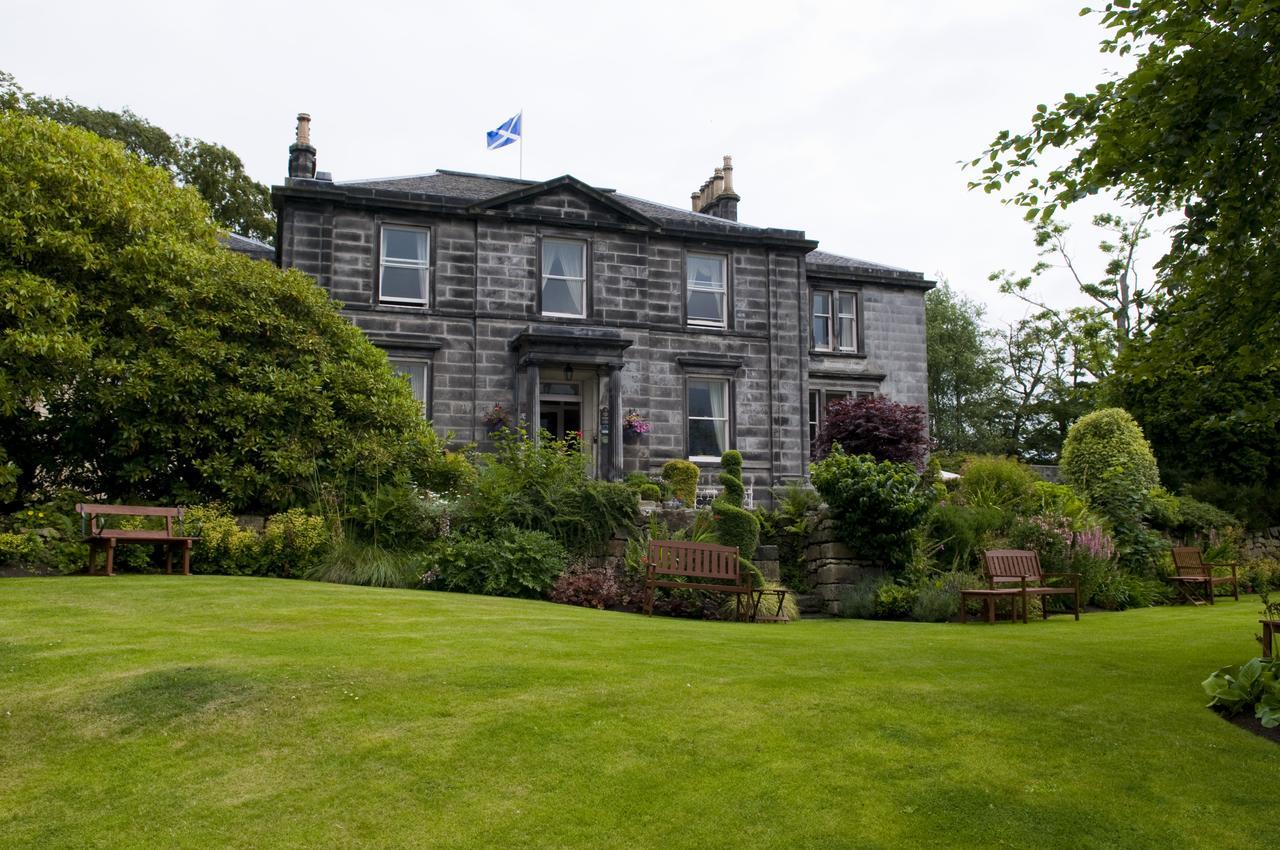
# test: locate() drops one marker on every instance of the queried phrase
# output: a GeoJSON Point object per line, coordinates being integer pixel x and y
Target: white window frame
{"type": "Point", "coordinates": [424, 265]}
{"type": "Point", "coordinates": [582, 246]}
{"type": "Point", "coordinates": [722, 290]}
{"type": "Point", "coordinates": [838, 316]}
{"type": "Point", "coordinates": [727, 418]}
{"type": "Point", "coordinates": [402, 365]}
{"type": "Point", "coordinates": [826, 317]}
{"type": "Point", "coordinates": [832, 319]}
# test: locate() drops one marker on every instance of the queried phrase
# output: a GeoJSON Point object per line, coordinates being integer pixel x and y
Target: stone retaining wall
{"type": "Point", "coordinates": [1262, 544]}
{"type": "Point", "coordinates": [833, 567]}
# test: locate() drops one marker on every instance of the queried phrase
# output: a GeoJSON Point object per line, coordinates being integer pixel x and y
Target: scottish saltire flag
{"type": "Point", "coordinates": [506, 134]}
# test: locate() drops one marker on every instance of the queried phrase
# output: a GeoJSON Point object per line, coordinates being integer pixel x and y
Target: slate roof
{"type": "Point", "coordinates": [465, 189]}
{"type": "Point", "coordinates": [249, 246]}
{"type": "Point", "coordinates": [469, 188]}
{"type": "Point", "coordinates": [823, 258]}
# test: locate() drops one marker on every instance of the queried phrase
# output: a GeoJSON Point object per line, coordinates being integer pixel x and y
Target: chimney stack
{"type": "Point", "coordinates": [302, 157]}
{"type": "Point", "coordinates": [716, 196]}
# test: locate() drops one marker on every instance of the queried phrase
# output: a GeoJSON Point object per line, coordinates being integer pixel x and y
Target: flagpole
{"type": "Point", "coordinates": [522, 143]}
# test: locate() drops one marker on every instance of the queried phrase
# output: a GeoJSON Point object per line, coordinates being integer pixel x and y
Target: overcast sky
{"type": "Point", "coordinates": [845, 119]}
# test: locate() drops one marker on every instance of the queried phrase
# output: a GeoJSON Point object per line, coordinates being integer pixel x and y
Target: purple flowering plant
{"type": "Point", "coordinates": [634, 423]}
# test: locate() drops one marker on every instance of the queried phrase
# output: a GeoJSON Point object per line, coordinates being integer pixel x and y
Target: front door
{"type": "Point", "coordinates": [561, 418]}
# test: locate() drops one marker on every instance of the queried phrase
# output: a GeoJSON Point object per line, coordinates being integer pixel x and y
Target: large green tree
{"type": "Point", "coordinates": [1191, 130]}
{"type": "Point", "coordinates": [238, 202]}
{"type": "Point", "coordinates": [965, 376]}
{"type": "Point", "coordinates": [139, 359]}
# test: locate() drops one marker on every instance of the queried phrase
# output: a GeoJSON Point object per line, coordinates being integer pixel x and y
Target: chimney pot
{"type": "Point", "coordinates": [717, 184]}
{"type": "Point", "coordinates": [693, 200]}
{"type": "Point", "coordinates": [302, 157]}
{"type": "Point", "coordinates": [728, 175]}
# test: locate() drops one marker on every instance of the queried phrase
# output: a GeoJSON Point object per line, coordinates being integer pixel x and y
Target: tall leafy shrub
{"type": "Point", "coordinates": [876, 426]}
{"type": "Point", "coordinates": [141, 360]}
{"type": "Point", "coordinates": [1108, 461]}
{"type": "Point", "coordinates": [876, 505]}
{"type": "Point", "coordinates": [513, 562]}
{"type": "Point", "coordinates": [543, 486]}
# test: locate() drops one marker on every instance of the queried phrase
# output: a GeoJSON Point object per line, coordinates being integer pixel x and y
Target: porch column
{"type": "Point", "coordinates": [532, 380]}
{"type": "Point", "coordinates": [615, 423]}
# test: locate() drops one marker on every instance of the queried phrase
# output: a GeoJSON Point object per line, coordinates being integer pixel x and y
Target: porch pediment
{"type": "Point", "coordinates": [568, 199]}
{"type": "Point", "coordinates": [539, 344]}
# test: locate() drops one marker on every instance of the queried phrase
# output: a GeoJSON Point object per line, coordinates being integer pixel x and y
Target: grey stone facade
{"type": "Point", "coordinates": [485, 341]}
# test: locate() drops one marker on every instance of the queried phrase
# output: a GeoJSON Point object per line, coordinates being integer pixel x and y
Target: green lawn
{"type": "Point", "coordinates": [232, 712]}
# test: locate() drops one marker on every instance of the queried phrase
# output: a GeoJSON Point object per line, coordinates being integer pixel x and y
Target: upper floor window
{"type": "Point", "coordinates": [835, 320]}
{"type": "Point", "coordinates": [564, 278]}
{"type": "Point", "coordinates": [707, 291]}
{"type": "Point", "coordinates": [708, 410]}
{"type": "Point", "coordinates": [403, 276]}
{"type": "Point", "coordinates": [418, 374]}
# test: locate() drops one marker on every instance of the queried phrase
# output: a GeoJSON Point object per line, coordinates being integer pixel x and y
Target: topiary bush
{"type": "Point", "coordinates": [734, 525]}
{"type": "Point", "coordinates": [876, 505]}
{"type": "Point", "coordinates": [682, 476]}
{"type": "Point", "coordinates": [875, 426]}
{"type": "Point", "coordinates": [731, 479]}
{"type": "Point", "coordinates": [1108, 461]}
{"type": "Point", "coordinates": [650, 492]}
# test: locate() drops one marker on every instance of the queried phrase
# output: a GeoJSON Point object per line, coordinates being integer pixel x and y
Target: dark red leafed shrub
{"type": "Point", "coordinates": [875, 426]}
{"type": "Point", "coordinates": [593, 585]}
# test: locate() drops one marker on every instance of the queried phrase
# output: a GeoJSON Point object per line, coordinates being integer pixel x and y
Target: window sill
{"type": "Point", "coordinates": [820, 352]}
{"type": "Point", "coordinates": [396, 306]}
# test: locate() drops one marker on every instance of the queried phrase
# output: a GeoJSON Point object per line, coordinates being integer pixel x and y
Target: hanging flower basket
{"type": "Point", "coordinates": [634, 426]}
{"type": "Point", "coordinates": [497, 419]}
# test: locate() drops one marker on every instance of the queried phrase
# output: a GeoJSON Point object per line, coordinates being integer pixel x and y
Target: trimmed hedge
{"type": "Point", "coordinates": [682, 475]}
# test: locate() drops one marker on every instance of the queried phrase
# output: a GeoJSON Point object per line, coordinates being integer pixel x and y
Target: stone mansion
{"type": "Point", "coordinates": [572, 306]}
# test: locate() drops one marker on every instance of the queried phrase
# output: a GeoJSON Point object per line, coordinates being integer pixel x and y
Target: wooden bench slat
{"type": "Point", "coordinates": [720, 566]}
{"type": "Point", "coordinates": [1017, 572]}
{"type": "Point", "coordinates": [100, 537]}
{"type": "Point", "coordinates": [128, 510]}
{"type": "Point", "coordinates": [1189, 569]}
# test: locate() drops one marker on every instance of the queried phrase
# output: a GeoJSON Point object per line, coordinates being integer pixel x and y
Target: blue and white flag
{"type": "Point", "coordinates": [506, 134]}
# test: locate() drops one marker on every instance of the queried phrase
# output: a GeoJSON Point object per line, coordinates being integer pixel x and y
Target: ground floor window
{"type": "Point", "coordinates": [819, 400]}
{"type": "Point", "coordinates": [708, 410]}
{"type": "Point", "coordinates": [418, 374]}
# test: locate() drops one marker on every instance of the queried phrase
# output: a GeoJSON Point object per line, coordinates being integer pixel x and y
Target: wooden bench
{"type": "Point", "coordinates": [703, 566]}
{"type": "Point", "coordinates": [98, 536]}
{"type": "Point", "coordinates": [1190, 571]}
{"type": "Point", "coordinates": [1269, 630]}
{"type": "Point", "coordinates": [1016, 574]}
